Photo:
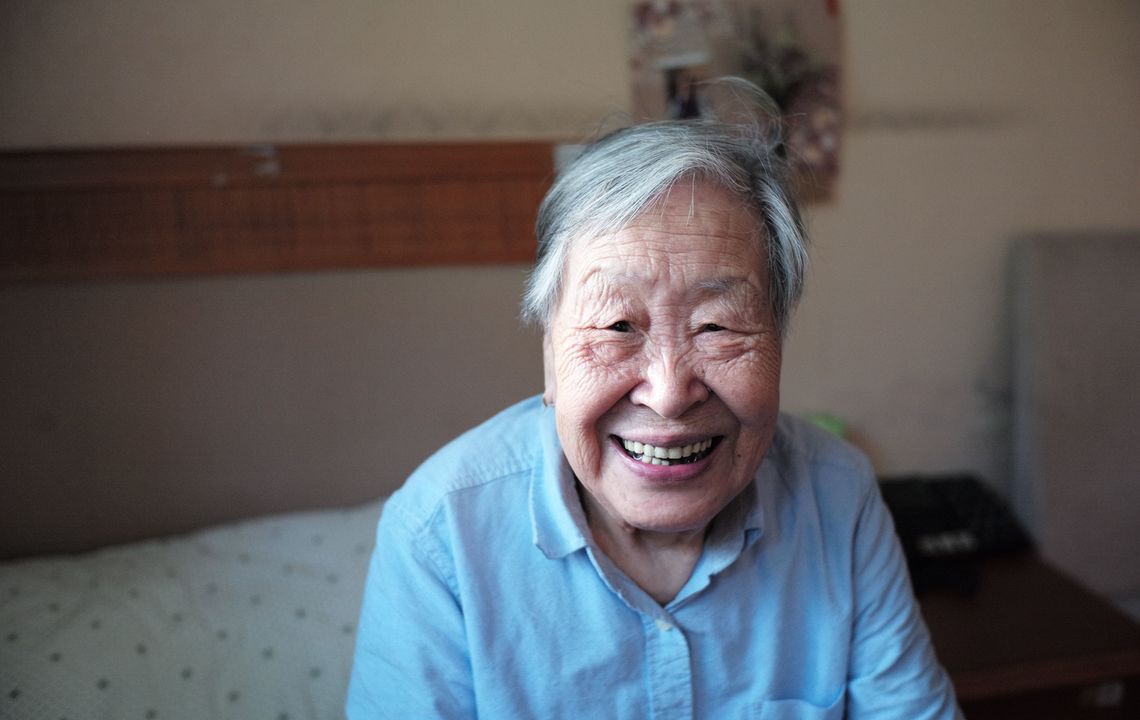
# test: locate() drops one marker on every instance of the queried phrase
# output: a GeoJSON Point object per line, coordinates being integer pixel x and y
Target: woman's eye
{"type": "Point", "coordinates": [621, 326]}
{"type": "Point", "coordinates": [711, 327]}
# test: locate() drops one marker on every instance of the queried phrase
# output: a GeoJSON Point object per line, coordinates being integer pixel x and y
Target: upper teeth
{"type": "Point", "coordinates": [661, 455]}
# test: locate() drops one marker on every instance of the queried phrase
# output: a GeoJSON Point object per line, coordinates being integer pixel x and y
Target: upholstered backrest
{"type": "Point", "coordinates": [1077, 403]}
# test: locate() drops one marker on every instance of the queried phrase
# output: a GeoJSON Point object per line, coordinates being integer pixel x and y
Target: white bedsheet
{"type": "Point", "coordinates": [253, 620]}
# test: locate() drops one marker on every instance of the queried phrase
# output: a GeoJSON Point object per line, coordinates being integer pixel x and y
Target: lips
{"type": "Point", "coordinates": [661, 455]}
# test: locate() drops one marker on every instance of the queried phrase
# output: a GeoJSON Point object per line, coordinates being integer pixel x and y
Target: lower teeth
{"type": "Point", "coordinates": [665, 461]}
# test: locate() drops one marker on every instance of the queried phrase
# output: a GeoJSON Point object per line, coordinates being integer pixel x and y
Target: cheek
{"type": "Point", "coordinates": [587, 389]}
{"type": "Point", "coordinates": [592, 376]}
{"type": "Point", "coordinates": [749, 386]}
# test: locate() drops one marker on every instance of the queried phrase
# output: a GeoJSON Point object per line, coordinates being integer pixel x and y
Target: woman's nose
{"type": "Point", "coordinates": [669, 386]}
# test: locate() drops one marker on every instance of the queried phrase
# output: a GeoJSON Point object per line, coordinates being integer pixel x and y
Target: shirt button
{"type": "Point", "coordinates": [664, 625]}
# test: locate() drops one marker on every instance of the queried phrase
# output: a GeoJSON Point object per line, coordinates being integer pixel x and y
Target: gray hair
{"type": "Point", "coordinates": [620, 176]}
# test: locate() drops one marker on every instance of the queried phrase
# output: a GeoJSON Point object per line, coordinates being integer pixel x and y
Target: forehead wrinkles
{"type": "Point", "coordinates": [698, 230]}
{"type": "Point", "coordinates": [662, 242]}
{"type": "Point", "coordinates": [601, 289]}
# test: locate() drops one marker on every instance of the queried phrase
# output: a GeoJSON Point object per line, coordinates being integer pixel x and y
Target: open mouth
{"type": "Point", "coordinates": [680, 455]}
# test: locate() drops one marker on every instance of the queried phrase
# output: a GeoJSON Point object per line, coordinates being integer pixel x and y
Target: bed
{"type": "Point", "coordinates": [251, 619]}
{"type": "Point", "coordinates": [203, 410]}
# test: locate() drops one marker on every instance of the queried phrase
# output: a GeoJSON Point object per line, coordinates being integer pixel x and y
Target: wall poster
{"type": "Point", "coordinates": [790, 48]}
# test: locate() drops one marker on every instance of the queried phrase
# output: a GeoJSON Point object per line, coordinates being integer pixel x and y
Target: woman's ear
{"type": "Point", "coordinates": [548, 379]}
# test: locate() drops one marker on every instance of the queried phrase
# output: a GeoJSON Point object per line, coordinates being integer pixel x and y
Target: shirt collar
{"type": "Point", "coordinates": [556, 513]}
{"type": "Point", "coordinates": [559, 524]}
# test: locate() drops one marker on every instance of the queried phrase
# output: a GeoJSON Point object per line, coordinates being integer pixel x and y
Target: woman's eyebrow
{"type": "Point", "coordinates": [729, 288]}
{"type": "Point", "coordinates": [603, 283]}
{"type": "Point", "coordinates": [601, 288]}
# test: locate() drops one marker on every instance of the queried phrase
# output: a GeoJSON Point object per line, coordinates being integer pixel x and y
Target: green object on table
{"type": "Point", "coordinates": [837, 426]}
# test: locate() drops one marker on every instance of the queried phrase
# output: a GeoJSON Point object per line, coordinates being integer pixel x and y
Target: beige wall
{"type": "Point", "coordinates": [971, 122]}
{"type": "Point", "coordinates": [136, 408]}
{"type": "Point", "coordinates": [157, 71]}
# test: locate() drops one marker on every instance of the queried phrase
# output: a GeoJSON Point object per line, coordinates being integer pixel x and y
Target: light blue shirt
{"type": "Point", "coordinates": [487, 598]}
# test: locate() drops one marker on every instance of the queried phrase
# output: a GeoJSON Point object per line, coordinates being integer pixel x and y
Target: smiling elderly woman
{"type": "Point", "coordinates": [654, 540]}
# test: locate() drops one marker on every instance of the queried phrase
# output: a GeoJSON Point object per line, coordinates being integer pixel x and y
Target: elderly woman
{"type": "Point", "coordinates": [653, 539]}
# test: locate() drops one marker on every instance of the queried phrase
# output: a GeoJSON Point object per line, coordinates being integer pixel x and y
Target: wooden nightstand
{"type": "Point", "coordinates": [1031, 643]}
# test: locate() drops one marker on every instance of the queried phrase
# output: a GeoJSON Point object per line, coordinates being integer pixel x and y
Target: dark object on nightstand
{"type": "Point", "coordinates": [946, 524]}
{"type": "Point", "coordinates": [1020, 640]}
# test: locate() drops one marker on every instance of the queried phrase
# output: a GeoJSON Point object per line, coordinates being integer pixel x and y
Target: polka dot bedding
{"type": "Point", "coordinates": [252, 620]}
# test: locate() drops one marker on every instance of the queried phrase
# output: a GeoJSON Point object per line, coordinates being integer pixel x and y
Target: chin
{"type": "Point", "coordinates": [673, 515]}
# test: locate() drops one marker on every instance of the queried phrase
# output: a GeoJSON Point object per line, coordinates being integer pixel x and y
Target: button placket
{"type": "Point", "coordinates": [670, 670]}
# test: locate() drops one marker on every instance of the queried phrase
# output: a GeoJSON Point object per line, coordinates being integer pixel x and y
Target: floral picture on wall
{"type": "Point", "coordinates": [790, 48]}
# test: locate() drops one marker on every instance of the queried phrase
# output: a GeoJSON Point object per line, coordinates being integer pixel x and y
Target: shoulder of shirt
{"type": "Point", "coordinates": [806, 452]}
{"type": "Point", "coordinates": [505, 447]}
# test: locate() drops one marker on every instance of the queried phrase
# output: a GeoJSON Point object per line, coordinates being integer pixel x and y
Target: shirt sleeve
{"type": "Point", "coordinates": [893, 670]}
{"type": "Point", "coordinates": [411, 653]}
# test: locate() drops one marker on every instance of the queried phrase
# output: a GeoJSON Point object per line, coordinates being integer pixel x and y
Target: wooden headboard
{"type": "Point", "coordinates": [102, 214]}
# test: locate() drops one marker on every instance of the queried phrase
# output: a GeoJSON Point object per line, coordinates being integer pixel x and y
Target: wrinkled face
{"type": "Point", "coordinates": [663, 362]}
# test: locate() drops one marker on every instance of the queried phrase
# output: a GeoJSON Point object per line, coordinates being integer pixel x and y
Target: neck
{"type": "Point", "coordinates": [660, 563]}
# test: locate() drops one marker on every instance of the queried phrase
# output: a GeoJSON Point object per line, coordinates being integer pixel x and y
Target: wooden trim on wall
{"type": "Point", "coordinates": [105, 214]}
